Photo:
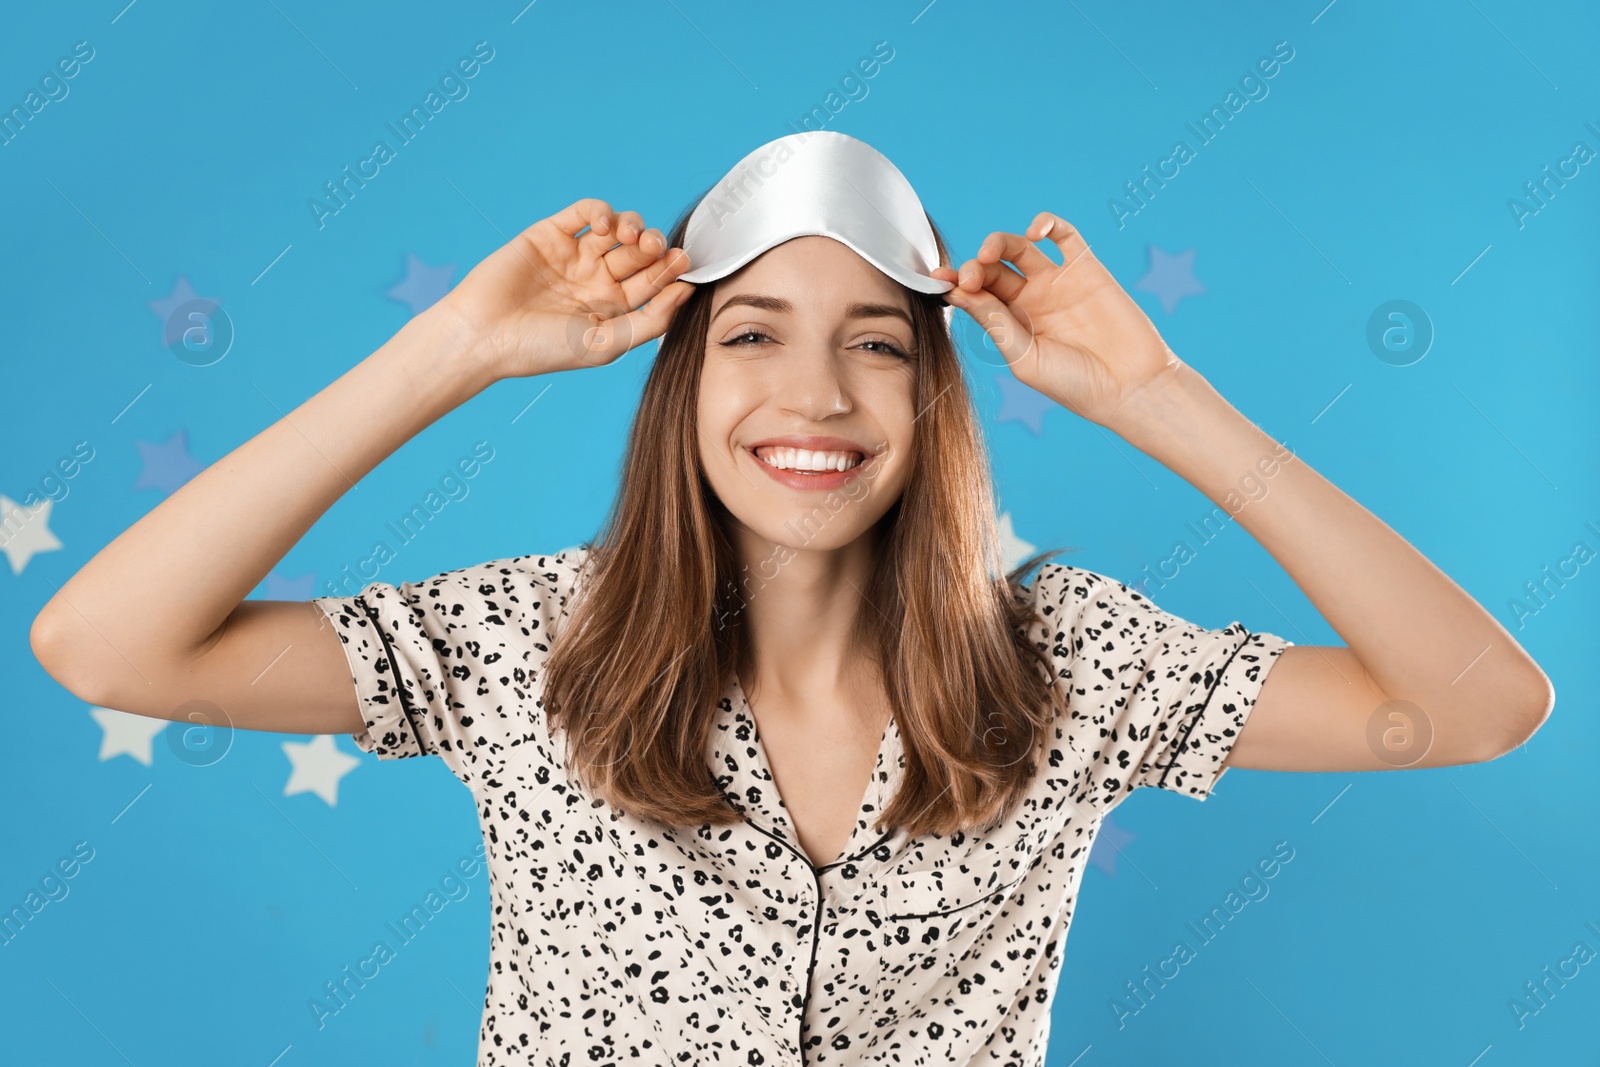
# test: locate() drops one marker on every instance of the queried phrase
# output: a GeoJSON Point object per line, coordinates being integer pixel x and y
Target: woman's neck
{"type": "Point", "coordinates": [800, 614]}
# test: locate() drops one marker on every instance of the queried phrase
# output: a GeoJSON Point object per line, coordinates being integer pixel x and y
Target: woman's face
{"type": "Point", "coordinates": [809, 351]}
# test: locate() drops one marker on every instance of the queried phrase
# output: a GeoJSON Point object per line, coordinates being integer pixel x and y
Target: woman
{"type": "Point", "coordinates": [782, 768]}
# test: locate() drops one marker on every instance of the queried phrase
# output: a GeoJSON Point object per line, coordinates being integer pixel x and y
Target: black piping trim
{"type": "Point", "coordinates": [1183, 744]}
{"type": "Point", "coordinates": [963, 907]}
{"type": "Point", "coordinates": [394, 672]}
{"type": "Point", "coordinates": [858, 857]}
{"type": "Point", "coordinates": [816, 939]}
{"type": "Point", "coordinates": [816, 917]}
{"type": "Point", "coordinates": [816, 920]}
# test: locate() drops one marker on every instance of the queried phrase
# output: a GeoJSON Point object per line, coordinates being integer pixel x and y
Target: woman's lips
{"type": "Point", "coordinates": [822, 482]}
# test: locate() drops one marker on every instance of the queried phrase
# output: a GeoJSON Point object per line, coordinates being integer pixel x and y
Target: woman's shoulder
{"type": "Point", "coordinates": [550, 569]}
{"type": "Point", "coordinates": [497, 590]}
{"type": "Point", "coordinates": [1085, 610]}
{"type": "Point", "coordinates": [1087, 604]}
{"type": "Point", "coordinates": [557, 571]}
{"type": "Point", "coordinates": [1060, 587]}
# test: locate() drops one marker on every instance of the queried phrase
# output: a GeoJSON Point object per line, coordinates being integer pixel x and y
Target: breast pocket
{"type": "Point", "coordinates": [937, 899]}
{"type": "Point", "coordinates": [938, 893]}
{"type": "Point", "coordinates": [929, 918]}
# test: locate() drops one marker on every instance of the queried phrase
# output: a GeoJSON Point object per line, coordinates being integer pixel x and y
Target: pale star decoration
{"type": "Point", "coordinates": [1170, 278]}
{"type": "Point", "coordinates": [1013, 549]}
{"type": "Point", "coordinates": [280, 587]}
{"type": "Point", "coordinates": [167, 466]}
{"type": "Point", "coordinates": [1110, 839]}
{"type": "Point", "coordinates": [423, 285]}
{"type": "Point", "coordinates": [318, 766]}
{"type": "Point", "coordinates": [25, 532]}
{"type": "Point", "coordinates": [1022, 403]}
{"type": "Point", "coordinates": [182, 293]}
{"type": "Point", "coordinates": [126, 734]}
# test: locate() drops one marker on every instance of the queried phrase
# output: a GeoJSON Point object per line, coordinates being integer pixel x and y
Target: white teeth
{"type": "Point", "coordinates": [808, 460]}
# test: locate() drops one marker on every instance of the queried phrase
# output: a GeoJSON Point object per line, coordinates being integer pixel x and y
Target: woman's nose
{"type": "Point", "coordinates": [814, 384]}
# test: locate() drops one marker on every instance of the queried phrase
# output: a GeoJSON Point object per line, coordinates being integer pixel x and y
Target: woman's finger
{"type": "Point", "coordinates": [1065, 235]}
{"type": "Point", "coordinates": [590, 211]}
{"type": "Point", "coordinates": [652, 320]}
{"type": "Point", "coordinates": [997, 278]}
{"type": "Point", "coordinates": [627, 257]}
{"type": "Point", "coordinates": [1016, 249]}
{"type": "Point", "coordinates": [625, 228]}
{"type": "Point", "coordinates": [1010, 336]}
{"type": "Point", "coordinates": [614, 336]}
{"type": "Point", "coordinates": [644, 283]}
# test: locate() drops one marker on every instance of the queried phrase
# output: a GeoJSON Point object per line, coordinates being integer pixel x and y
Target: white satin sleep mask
{"type": "Point", "coordinates": [818, 182]}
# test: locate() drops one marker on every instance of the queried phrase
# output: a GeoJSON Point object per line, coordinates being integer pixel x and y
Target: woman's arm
{"type": "Point", "coordinates": [158, 617]}
{"type": "Point", "coordinates": [1413, 636]}
{"type": "Point", "coordinates": [1428, 677]}
{"type": "Point", "coordinates": [157, 620]}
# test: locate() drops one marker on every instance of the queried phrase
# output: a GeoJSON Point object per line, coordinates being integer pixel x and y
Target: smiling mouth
{"type": "Point", "coordinates": [805, 462]}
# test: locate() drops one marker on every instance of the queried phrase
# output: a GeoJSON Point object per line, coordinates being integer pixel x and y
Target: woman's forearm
{"type": "Point", "coordinates": [1418, 634]}
{"type": "Point", "coordinates": [162, 590]}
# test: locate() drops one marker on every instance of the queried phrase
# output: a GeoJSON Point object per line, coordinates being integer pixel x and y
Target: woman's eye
{"type": "Point", "coordinates": [753, 336]}
{"type": "Point", "coordinates": [889, 347]}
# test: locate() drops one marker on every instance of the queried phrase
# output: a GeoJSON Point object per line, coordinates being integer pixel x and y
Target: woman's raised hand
{"type": "Point", "coordinates": [555, 298]}
{"type": "Point", "coordinates": [1068, 329]}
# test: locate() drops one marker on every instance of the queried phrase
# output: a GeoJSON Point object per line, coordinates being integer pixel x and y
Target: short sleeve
{"type": "Point", "coordinates": [447, 666]}
{"type": "Point", "coordinates": [1153, 699]}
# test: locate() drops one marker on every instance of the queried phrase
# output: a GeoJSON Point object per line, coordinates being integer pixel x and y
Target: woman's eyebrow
{"type": "Point", "coordinates": [781, 306]}
{"type": "Point", "coordinates": [764, 303]}
{"type": "Point", "coordinates": [878, 311]}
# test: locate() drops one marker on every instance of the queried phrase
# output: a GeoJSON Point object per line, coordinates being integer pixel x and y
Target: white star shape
{"type": "Point", "coordinates": [25, 531]}
{"type": "Point", "coordinates": [126, 734]}
{"type": "Point", "coordinates": [318, 766]}
{"type": "Point", "coordinates": [1013, 549]}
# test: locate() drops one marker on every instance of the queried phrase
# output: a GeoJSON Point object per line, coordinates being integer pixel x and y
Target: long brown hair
{"type": "Point", "coordinates": [656, 631]}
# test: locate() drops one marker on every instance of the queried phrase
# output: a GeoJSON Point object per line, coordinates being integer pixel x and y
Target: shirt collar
{"type": "Point", "coordinates": [739, 766]}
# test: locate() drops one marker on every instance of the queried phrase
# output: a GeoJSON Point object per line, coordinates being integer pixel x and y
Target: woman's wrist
{"type": "Point", "coordinates": [1168, 413]}
{"type": "Point", "coordinates": [444, 354]}
{"type": "Point", "coordinates": [1177, 419]}
{"type": "Point", "coordinates": [1184, 423]}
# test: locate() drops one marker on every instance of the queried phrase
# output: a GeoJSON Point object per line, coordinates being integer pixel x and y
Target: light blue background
{"type": "Point", "coordinates": [1378, 167]}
